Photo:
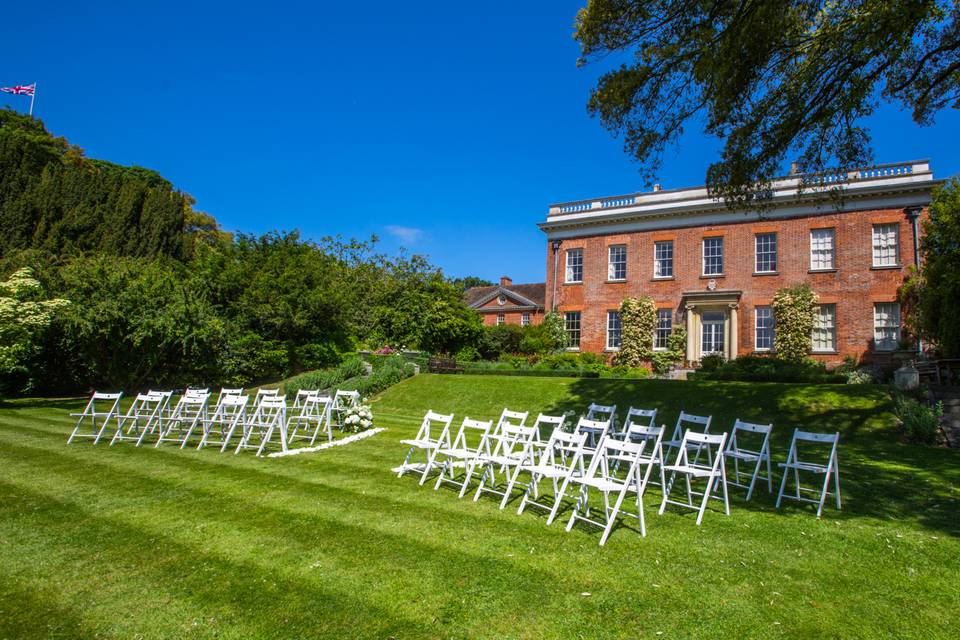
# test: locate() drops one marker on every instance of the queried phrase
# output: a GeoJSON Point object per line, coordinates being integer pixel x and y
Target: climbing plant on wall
{"type": "Point", "coordinates": [794, 311]}
{"type": "Point", "coordinates": [638, 320]}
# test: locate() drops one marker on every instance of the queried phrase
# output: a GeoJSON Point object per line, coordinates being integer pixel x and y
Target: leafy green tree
{"type": "Point", "coordinates": [794, 312]}
{"type": "Point", "coordinates": [638, 320]}
{"type": "Point", "coordinates": [939, 291]}
{"type": "Point", "coordinates": [24, 315]}
{"type": "Point", "coordinates": [776, 80]}
{"type": "Point", "coordinates": [468, 282]}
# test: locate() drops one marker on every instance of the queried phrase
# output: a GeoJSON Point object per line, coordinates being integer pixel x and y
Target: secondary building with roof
{"type": "Point", "coordinates": [508, 303]}
{"type": "Point", "coordinates": [853, 236]}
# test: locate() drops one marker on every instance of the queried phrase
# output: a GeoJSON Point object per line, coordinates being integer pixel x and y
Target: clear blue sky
{"type": "Point", "coordinates": [445, 127]}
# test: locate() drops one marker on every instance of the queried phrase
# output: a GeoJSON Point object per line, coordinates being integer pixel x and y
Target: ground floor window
{"type": "Point", "coordinates": [661, 336]}
{"type": "Point", "coordinates": [525, 319]}
{"type": "Point", "coordinates": [764, 328]}
{"type": "Point", "coordinates": [886, 326]}
{"type": "Point", "coordinates": [500, 319]}
{"type": "Point", "coordinates": [613, 329]}
{"type": "Point", "coordinates": [711, 333]}
{"type": "Point", "coordinates": [571, 322]}
{"type": "Point", "coordinates": [824, 336]}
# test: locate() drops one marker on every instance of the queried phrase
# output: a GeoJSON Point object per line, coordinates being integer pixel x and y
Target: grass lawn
{"type": "Point", "coordinates": [163, 543]}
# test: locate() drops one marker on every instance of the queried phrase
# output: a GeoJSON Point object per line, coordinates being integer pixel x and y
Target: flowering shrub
{"type": "Point", "coordinates": [794, 311]}
{"type": "Point", "coordinates": [638, 319]}
{"type": "Point", "coordinates": [384, 351]}
{"type": "Point", "coordinates": [358, 418]}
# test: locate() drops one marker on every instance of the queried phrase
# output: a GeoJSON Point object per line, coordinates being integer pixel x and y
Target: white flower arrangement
{"type": "Point", "coordinates": [358, 418]}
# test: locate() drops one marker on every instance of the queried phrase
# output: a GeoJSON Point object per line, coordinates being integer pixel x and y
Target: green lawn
{"type": "Point", "coordinates": [163, 543]}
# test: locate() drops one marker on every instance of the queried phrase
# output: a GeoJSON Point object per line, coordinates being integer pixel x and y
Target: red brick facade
{"type": "Point", "coordinates": [508, 303]}
{"type": "Point", "coordinates": [854, 285]}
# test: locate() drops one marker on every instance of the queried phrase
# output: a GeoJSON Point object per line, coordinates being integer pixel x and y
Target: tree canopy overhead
{"type": "Point", "coordinates": [776, 80]}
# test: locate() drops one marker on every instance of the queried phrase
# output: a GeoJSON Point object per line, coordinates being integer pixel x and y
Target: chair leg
{"type": "Point", "coordinates": [558, 498]}
{"type": "Point", "coordinates": [666, 490]}
{"type": "Point", "coordinates": [706, 498]}
{"type": "Point", "coordinates": [783, 486]}
{"type": "Point", "coordinates": [836, 482]}
{"type": "Point", "coordinates": [823, 491]}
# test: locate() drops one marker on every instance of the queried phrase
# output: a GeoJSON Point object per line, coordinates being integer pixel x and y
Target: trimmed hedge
{"type": "Point", "coordinates": [766, 369]}
{"type": "Point", "coordinates": [541, 373]}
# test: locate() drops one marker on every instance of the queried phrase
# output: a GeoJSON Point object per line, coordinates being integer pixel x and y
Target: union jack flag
{"type": "Point", "coordinates": [20, 90]}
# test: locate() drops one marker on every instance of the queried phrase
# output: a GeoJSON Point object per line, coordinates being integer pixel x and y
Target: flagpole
{"type": "Point", "coordinates": [32, 97]}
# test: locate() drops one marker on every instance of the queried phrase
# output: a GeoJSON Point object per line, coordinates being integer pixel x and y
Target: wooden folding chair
{"type": "Point", "coordinates": [462, 450]}
{"type": "Point", "coordinates": [163, 414]}
{"type": "Point", "coordinates": [224, 392]}
{"type": "Point", "coordinates": [343, 400]}
{"type": "Point", "coordinates": [713, 473]}
{"type": "Point", "coordinates": [143, 416]}
{"type": "Point", "coordinates": [652, 454]}
{"type": "Point", "coordinates": [688, 422]}
{"type": "Point", "coordinates": [309, 416]}
{"type": "Point", "coordinates": [508, 452]}
{"type": "Point", "coordinates": [434, 433]}
{"type": "Point", "coordinates": [536, 448]}
{"type": "Point", "coordinates": [190, 413]}
{"type": "Point", "coordinates": [831, 468]}
{"type": "Point", "coordinates": [94, 418]}
{"type": "Point", "coordinates": [600, 413]}
{"type": "Point", "coordinates": [738, 451]}
{"type": "Point", "coordinates": [269, 417]}
{"type": "Point", "coordinates": [560, 458]}
{"type": "Point", "coordinates": [639, 417]}
{"type": "Point", "coordinates": [230, 412]}
{"type": "Point", "coordinates": [608, 475]}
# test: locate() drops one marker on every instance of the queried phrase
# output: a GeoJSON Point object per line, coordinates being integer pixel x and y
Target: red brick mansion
{"type": "Point", "coordinates": [715, 271]}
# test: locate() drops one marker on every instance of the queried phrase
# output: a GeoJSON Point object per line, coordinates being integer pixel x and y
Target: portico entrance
{"type": "Point", "coordinates": [711, 323]}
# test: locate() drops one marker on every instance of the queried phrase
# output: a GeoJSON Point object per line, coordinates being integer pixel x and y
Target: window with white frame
{"type": "Point", "coordinates": [574, 265]}
{"type": "Point", "coordinates": [613, 330]}
{"type": "Point", "coordinates": [886, 325]}
{"type": "Point", "coordinates": [822, 249]}
{"type": "Point", "coordinates": [712, 256]}
{"type": "Point", "coordinates": [824, 335]}
{"type": "Point", "coordinates": [500, 319]}
{"type": "Point", "coordinates": [763, 328]}
{"type": "Point", "coordinates": [617, 262]}
{"type": "Point", "coordinates": [525, 319]}
{"type": "Point", "coordinates": [571, 322]}
{"type": "Point", "coordinates": [766, 252]}
{"type": "Point", "coordinates": [663, 259]}
{"type": "Point", "coordinates": [885, 245]}
{"type": "Point", "coordinates": [661, 336]}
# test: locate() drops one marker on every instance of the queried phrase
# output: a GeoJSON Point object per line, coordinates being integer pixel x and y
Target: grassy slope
{"type": "Point", "coordinates": [125, 542]}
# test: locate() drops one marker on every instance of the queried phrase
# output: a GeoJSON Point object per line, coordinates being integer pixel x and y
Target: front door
{"type": "Point", "coordinates": [711, 332]}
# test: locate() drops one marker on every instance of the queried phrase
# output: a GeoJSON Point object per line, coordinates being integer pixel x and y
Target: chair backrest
{"type": "Point", "coordinates": [832, 439]}
{"type": "Point", "coordinates": [224, 392]}
{"type": "Point", "coordinates": [564, 449]}
{"type": "Point", "coordinates": [741, 428]}
{"type": "Point", "coordinates": [611, 450]}
{"type": "Point", "coordinates": [265, 393]}
{"type": "Point", "coordinates": [196, 392]}
{"type": "Point", "coordinates": [651, 435]}
{"type": "Point", "coordinates": [479, 430]}
{"type": "Point", "coordinates": [596, 428]}
{"type": "Point", "coordinates": [516, 418]}
{"type": "Point", "coordinates": [599, 412]}
{"type": "Point", "coordinates": [430, 432]}
{"type": "Point", "coordinates": [688, 421]}
{"type": "Point", "coordinates": [646, 417]}
{"type": "Point", "coordinates": [235, 401]}
{"type": "Point", "coordinates": [553, 422]}
{"type": "Point", "coordinates": [303, 394]}
{"type": "Point", "coordinates": [345, 399]}
{"type": "Point", "coordinates": [98, 395]}
{"type": "Point", "coordinates": [708, 440]}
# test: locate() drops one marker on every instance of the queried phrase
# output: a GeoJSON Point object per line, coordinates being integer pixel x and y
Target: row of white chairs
{"type": "Point", "coordinates": [195, 416]}
{"type": "Point", "coordinates": [609, 460]}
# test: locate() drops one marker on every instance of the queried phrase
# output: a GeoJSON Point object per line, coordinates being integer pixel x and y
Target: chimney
{"type": "Point", "coordinates": [656, 187]}
{"type": "Point", "coordinates": [794, 168]}
{"type": "Point", "coordinates": [505, 281]}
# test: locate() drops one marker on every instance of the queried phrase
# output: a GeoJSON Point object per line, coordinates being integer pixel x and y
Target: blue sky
{"type": "Point", "coordinates": [443, 127]}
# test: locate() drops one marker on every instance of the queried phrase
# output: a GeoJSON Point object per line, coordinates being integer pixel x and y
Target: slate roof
{"type": "Point", "coordinates": [535, 292]}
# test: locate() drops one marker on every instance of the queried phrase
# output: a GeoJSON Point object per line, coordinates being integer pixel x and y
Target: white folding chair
{"type": "Point", "coordinates": [303, 394]}
{"type": "Point", "coordinates": [561, 457]}
{"type": "Point", "coordinates": [652, 454]}
{"type": "Point", "coordinates": [343, 400]}
{"type": "Point", "coordinates": [639, 417]}
{"type": "Point", "coordinates": [463, 449]}
{"type": "Point", "coordinates": [434, 433]}
{"type": "Point", "coordinates": [264, 393]}
{"type": "Point", "coordinates": [614, 480]}
{"type": "Point", "coordinates": [94, 418]}
{"type": "Point", "coordinates": [595, 430]}
{"type": "Point", "coordinates": [190, 413]}
{"type": "Point", "coordinates": [508, 452]}
{"type": "Point", "coordinates": [688, 422]}
{"type": "Point", "coordinates": [534, 451]}
{"type": "Point", "coordinates": [831, 468]}
{"type": "Point", "coordinates": [269, 417]}
{"type": "Point", "coordinates": [714, 473]}
{"type": "Point", "coordinates": [309, 416]}
{"type": "Point", "coordinates": [600, 413]}
{"type": "Point", "coordinates": [143, 416]}
{"type": "Point", "coordinates": [738, 451]}
{"type": "Point", "coordinates": [164, 413]}
{"type": "Point", "coordinates": [231, 411]}
{"type": "Point", "coordinates": [224, 392]}
{"type": "Point", "coordinates": [546, 425]}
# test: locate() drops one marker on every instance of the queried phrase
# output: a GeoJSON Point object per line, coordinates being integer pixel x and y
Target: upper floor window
{"type": "Point", "coordinates": [766, 248]}
{"type": "Point", "coordinates": [500, 319]}
{"type": "Point", "coordinates": [886, 325]}
{"type": "Point", "coordinates": [525, 319]}
{"type": "Point", "coordinates": [824, 335]}
{"type": "Point", "coordinates": [661, 336]}
{"type": "Point", "coordinates": [822, 249]}
{"type": "Point", "coordinates": [663, 259]}
{"type": "Point", "coordinates": [571, 322]}
{"type": "Point", "coordinates": [713, 256]}
{"type": "Point", "coordinates": [574, 265]}
{"type": "Point", "coordinates": [613, 330]}
{"type": "Point", "coordinates": [764, 328]}
{"type": "Point", "coordinates": [617, 262]}
{"type": "Point", "coordinates": [885, 244]}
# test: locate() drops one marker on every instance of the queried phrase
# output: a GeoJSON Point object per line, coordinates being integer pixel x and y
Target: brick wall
{"type": "Point", "coordinates": [854, 286]}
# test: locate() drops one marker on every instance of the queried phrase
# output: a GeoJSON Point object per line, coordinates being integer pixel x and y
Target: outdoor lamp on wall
{"type": "Point", "coordinates": [555, 245]}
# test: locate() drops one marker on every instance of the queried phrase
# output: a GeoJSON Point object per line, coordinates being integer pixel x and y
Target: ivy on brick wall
{"type": "Point", "coordinates": [638, 320]}
{"type": "Point", "coordinates": [794, 311]}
